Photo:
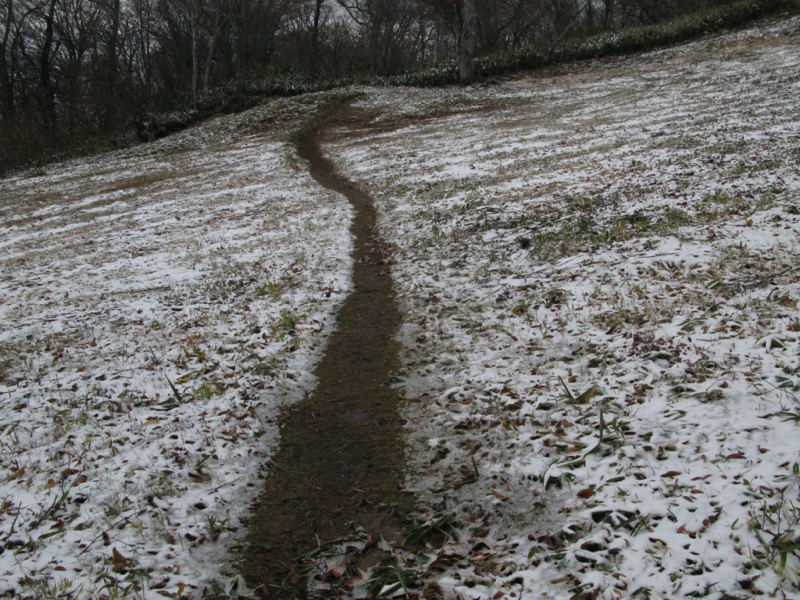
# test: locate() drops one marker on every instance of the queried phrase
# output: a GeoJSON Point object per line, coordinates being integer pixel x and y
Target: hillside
{"type": "Point", "coordinates": [599, 274]}
{"type": "Point", "coordinates": [597, 271]}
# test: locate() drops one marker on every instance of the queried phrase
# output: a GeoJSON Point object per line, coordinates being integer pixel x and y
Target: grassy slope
{"type": "Point", "coordinates": [160, 307]}
{"type": "Point", "coordinates": [598, 269]}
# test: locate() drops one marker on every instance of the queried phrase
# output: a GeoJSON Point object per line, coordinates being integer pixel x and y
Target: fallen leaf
{"type": "Point", "coordinates": [119, 562]}
{"type": "Point", "coordinates": [586, 493]}
{"type": "Point", "coordinates": [497, 494]}
{"type": "Point", "coordinates": [671, 474]}
{"type": "Point", "coordinates": [16, 474]}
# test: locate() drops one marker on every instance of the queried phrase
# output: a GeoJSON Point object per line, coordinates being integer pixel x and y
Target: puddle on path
{"type": "Point", "coordinates": [340, 464]}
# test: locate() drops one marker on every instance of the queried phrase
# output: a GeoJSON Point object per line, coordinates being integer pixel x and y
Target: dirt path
{"type": "Point", "coordinates": [340, 464]}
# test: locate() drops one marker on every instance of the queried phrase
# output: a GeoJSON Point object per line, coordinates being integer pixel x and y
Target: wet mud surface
{"type": "Point", "coordinates": [339, 469]}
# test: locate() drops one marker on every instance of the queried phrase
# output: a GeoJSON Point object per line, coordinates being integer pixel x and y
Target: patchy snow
{"type": "Point", "coordinates": [211, 262]}
{"type": "Point", "coordinates": [598, 269]}
{"type": "Point", "coordinates": [599, 274]}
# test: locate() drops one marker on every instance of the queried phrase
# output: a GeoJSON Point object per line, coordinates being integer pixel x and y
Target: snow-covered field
{"type": "Point", "coordinates": [159, 308]}
{"type": "Point", "coordinates": [599, 273]}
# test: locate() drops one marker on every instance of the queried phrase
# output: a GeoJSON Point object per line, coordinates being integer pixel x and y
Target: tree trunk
{"type": "Point", "coordinates": [6, 85]}
{"type": "Point", "coordinates": [608, 14]}
{"type": "Point", "coordinates": [315, 37]}
{"type": "Point", "coordinates": [46, 66]}
{"type": "Point", "coordinates": [590, 16]}
{"type": "Point", "coordinates": [469, 34]}
{"type": "Point", "coordinates": [144, 18]}
{"type": "Point", "coordinates": [195, 58]}
{"type": "Point", "coordinates": [112, 66]}
{"type": "Point", "coordinates": [209, 62]}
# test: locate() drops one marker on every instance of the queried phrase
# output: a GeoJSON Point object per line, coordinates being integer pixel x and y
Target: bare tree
{"type": "Point", "coordinates": [9, 36]}
{"type": "Point", "coordinates": [385, 27]}
{"type": "Point", "coordinates": [113, 14]}
{"type": "Point", "coordinates": [142, 39]}
{"type": "Point", "coordinates": [46, 88]}
{"type": "Point", "coordinates": [315, 35]}
{"type": "Point", "coordinates": [469, 35]}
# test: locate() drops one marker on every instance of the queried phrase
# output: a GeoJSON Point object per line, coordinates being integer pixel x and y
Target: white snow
{"type": "Point", "coordinates": [598, 271]}
{"type": "Point", "coordinates": [210, 261]}
{"type": "Point", "coordinates": [599, 275]}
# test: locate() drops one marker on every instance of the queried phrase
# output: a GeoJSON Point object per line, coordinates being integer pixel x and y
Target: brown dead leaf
{"type": "Point", "coordinates": [118, 561]}
{"type": "Point", "coordinates": [671, 474]}
{"type": "Point", "coordinates": [51, 483]}
{"type": "Point", "coordinates": [18, 474]}
{"type": "Point", "coordinates": [497, 494]}
{"type": "Point", "coordinates": [585, 493]}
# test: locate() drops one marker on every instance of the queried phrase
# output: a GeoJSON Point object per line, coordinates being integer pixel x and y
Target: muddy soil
{"type": "Point", "coordinates": [338, 472]}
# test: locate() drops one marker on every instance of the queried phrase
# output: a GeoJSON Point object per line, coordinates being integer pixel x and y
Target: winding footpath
{"type": "Point", "coordinates": [338, 472]}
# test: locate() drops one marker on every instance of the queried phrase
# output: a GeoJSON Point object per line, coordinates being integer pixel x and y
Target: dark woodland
{"type": "Point", "coordinates": [77, 70]}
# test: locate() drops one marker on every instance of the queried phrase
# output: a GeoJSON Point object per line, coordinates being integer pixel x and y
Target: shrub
{"type": "Point", "coordinates": [609, 43]}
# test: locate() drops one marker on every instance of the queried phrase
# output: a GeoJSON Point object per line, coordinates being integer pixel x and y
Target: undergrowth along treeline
{"type": "Point", "coordinates": [608, 43]}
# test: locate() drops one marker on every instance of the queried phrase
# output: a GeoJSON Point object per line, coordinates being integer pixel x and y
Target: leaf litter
{"type": "Point", "coordinates": [597, 270]}
{"type": "Point", "coordinates": [161, 308]}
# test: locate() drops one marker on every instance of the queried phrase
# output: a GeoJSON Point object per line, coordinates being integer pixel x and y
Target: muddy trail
{"type": "Point", "coordinates": [337, 475]}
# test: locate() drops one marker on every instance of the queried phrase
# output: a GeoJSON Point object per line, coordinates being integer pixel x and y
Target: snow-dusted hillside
{"type": "Point", "coordinates": [159, 308]}
{"type": "Point", "coordinates": [599, 274]}
{"type": "Point", "coordinates": [598, 269]}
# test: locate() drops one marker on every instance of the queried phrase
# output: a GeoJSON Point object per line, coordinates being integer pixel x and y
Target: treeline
{"type": "Point", "coordinates": [76, 69]}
